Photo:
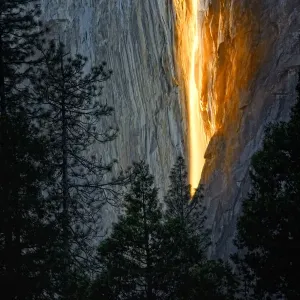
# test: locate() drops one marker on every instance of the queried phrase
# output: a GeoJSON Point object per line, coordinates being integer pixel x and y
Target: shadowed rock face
{"type": "Point", "coordinates": [251, 64]}
{"type": "Point", "coordinates": [255, 64]}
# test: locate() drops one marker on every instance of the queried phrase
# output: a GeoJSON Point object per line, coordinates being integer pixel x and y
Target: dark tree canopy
{"type": "Point", "coordinates": [131, 257]}
{"type": "Point", "coordinates": [19, 33]}
{"type": "Point", "coordinates": [190, 274]}
{"type": "Point", "coordinates": [156, 255]}
{"type": "Point", "coordinates": [181, 206]}
{"type": "Point", "coordinates": [29, 236]}
{"type": "Point", "coordinates": [49, 109]}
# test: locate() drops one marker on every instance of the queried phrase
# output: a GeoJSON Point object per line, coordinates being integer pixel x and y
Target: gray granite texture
{"type": "Point", "coordinates": [135, 38]}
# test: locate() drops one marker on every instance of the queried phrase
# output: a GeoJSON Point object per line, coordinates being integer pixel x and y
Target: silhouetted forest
{"type": "Point", "coordinates": [53, 190]}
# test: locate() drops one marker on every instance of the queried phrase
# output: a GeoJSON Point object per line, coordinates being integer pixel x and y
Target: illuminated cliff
{"type": "Point", "coordinates": [215, 66]}
{"type": "Point", "coordinates": [237, 65]}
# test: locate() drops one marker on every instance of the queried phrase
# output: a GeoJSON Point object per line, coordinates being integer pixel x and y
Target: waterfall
{"type": "Point", "coordinates": [215, 65]}
{"type": "Point", "coordinates": [189, 56]}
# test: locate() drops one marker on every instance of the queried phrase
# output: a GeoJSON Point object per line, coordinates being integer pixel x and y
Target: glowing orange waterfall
{"type": "Point", "coordinates": [217, 56]}
{"type": "Point", "coordinates": [189, 59]}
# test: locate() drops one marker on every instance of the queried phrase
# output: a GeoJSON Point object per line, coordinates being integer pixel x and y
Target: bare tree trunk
{"type": "Point", "coordinates": [17, 246]}
{"type": "Point", "coordinates": [2, 81]}
{"type": "Point", "coordinates": [148, 258]}
{"type": "Point", "coordinates": [64, 139]}
{"type": "Point", "coordinates": [5, 178]}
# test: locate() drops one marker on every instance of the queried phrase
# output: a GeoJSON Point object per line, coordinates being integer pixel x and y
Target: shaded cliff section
{"type": "Point", "coordinates": [254, 58]}
{"type": "Point", "coordinates": [135, 38]}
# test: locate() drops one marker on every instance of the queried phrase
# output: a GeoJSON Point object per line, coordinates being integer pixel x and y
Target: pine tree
{"type": "Point", "coordinates": [212, 280]}
{"type": "Point", "coordinates": [190, 275]}
{"type": "Point", "coordinates": [181, 206]}
{"type": "Point", "coordinates": [18, 28]}
{"type": "Point", "coordinates": [131, 257]}
{"type": "Point", "coordinates": [27, 230]}
{"type": "Point", "coordinates": [268, 230]}
{"type": "Point", "coordinates": [19, 32]}
{"type": "Point", "coordinates": [186, 237]}
{"type": "Point", "coordinates": [29, 237]}
{"type": "Point", "coordinates": [66, 105]}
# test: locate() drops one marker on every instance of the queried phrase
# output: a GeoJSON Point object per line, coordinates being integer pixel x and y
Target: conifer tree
{"type": "Point", "coordinates": [268, 230]}
{"type": "Point", "coordinates": [187, 238]}
{"type": "Point", "coordinates": [152, 256]}
{"type": "Point", "coordinates": [29, 237]}
{"type": "Point", "coordinates": [18, 28]}
{"type": "Point", "coordinates": [213, 280]}
{"type": "Point", "coordinates": [131, 257]}
{"type": "Point", "coordinates": [19, 32]}
{"type": "Point", "coordinates": [181, 206]}
{"type": "Point", "coordinates": [190, 274]}
{"type": "Point", "coordinates": [66, 105]}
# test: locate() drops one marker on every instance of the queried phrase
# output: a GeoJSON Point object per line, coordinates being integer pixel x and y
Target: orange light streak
{"type": "Point", "coordinates": [188, 55]}
{"type": "Point", "coordinates": [218, 51]}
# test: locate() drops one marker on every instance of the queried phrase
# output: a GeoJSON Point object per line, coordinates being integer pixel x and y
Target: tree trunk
{"type": "Point", "coordinates": [6, 180]}
{"type": "Point", "coordinates": [17, 246]}
{"type": "Point", "coordinates": [2, 81]}
{"type": "Point", "coordinates": [64, 138]}
{"type": "Point", "coordinates": [5, 172]}
{"type": "Point", "coordinates": [148, 258]}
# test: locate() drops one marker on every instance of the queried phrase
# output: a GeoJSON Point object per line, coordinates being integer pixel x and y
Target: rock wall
{"type": "Point", "coordinates": [255, 60]}
{"type": "Point", "coordinates": [135, 38]}
{"type": "Point", "coordinates": [252, 60]}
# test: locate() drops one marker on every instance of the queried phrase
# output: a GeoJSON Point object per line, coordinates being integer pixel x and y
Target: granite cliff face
{"type": "Point", "coordinates": [135, 38]}
{"type": "Point", "coordinates": [251, 73]}
{"type": "Point", "coordinates": [251, 59]}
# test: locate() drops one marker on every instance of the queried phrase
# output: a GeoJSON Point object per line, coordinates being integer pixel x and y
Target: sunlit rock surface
{"type": "Point", "coordinates": [135, 38]}
{"type": "Point", "coordinates": [252, 50]}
